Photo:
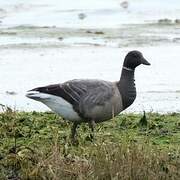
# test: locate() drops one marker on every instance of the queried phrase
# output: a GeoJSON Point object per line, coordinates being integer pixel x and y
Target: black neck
{"type": "Point", "coordinates": [127, 87]}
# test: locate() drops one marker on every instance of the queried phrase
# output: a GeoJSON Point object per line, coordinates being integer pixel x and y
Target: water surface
{"type": "Point", "coordinates": [45, 42]}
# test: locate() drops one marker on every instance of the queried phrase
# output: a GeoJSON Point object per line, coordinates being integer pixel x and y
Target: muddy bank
{"type": "Point", "coordinates": [153, 34]}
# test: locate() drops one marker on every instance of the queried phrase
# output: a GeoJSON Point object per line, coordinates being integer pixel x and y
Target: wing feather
{"type": "Point", "coordinates": [82, 94]}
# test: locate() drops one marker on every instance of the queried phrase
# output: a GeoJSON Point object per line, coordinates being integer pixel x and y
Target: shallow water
{"type": "Point", "coordinates": [101, 13]}
{"type": "Point", "coordinates": [44, 42]}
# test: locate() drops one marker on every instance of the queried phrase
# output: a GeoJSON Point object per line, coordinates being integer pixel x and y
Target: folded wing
{"type": "Point", "coordinates": [86, 96]}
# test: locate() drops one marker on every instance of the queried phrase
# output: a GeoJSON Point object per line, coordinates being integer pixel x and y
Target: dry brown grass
{"type": "Point", "coordinates": [107, 161]}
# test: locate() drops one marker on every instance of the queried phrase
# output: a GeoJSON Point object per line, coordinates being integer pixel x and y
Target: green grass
{"type": "Point", "coordinates": [37, 146]}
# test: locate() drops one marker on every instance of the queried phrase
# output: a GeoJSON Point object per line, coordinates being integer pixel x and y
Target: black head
{"type": "Point", "coordinates": [134, 59]}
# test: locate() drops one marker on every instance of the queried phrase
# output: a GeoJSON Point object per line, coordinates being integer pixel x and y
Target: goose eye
{"type": "Point", "coordinates": [136, 55]}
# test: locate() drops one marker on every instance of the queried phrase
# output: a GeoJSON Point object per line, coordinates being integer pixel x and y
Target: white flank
{"type": "Point", "coordinates": [56, 104]}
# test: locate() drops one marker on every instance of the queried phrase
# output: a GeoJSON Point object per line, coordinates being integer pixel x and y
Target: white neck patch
{"type": "Point", "coordinates": [128, 69]}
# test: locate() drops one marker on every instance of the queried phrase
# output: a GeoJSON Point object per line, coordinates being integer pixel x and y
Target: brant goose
{"type": "Point", "coordinates": [92, 101]}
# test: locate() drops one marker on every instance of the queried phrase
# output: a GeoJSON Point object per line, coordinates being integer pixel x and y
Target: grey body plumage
{"type": "Point", "coordinates": [92, 101]}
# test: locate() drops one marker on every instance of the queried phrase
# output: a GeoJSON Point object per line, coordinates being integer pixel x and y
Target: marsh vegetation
{"type": "Point", "coordinates": [37, 146]}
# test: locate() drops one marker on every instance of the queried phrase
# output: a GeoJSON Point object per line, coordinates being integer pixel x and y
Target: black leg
{"type": "Point", "coordinates": [73, 131]}
{"type": "Point", "coordinates": [92, 126]}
